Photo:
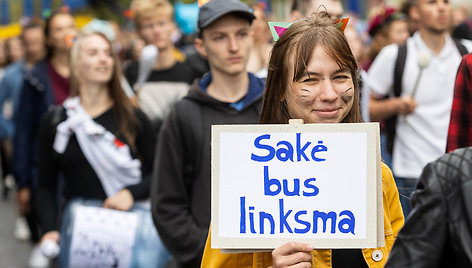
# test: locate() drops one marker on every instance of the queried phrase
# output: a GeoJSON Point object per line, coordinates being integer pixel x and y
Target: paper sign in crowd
{"type": "Point", "coordinates": [102, 237]}
{"type": "Point", "coordinates": [316, 183]}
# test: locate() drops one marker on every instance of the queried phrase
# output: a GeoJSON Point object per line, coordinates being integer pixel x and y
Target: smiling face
{"type": "Point", "coordinates": [94, 63]}
{"type": "Point", "coordinates": [324, 94]}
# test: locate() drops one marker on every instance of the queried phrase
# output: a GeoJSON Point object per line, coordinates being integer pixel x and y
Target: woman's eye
{"type": "Point", "coordinates": [309, 80]}
{"type": "Point", "coordinates": [340, 77]}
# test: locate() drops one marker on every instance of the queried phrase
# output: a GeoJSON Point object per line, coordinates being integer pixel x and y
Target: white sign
{"type": "Point", "coordinates": [102, 237]}
{"type": "Point", "coordinates": [317, 183]}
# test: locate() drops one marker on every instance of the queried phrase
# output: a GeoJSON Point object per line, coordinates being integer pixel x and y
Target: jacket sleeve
{"type": "Point", "coordinates": [460, 126]}
{"type": "Point", "coordinates": [6, 125]}
{"type": "Point", "coordinates": [420, 243]}
{"type": "Point", "coordinates": [170, 198]}
{"type": "Point", "coordinates": [394, 213]}
{"type": "Point", "coordinates": [213, 258]}
{"type": "Point", "coordinates": [24, 140]}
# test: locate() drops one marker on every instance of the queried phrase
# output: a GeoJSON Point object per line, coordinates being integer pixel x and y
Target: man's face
{"type": "Point", "coordinates": [157, 30]}
{"type": "Point", "coordinates": [34, 41]}
{"type": "Point", "coordinates": [432, 15]}
{"type": "Point", "coordinates": [333, 7]}
{"type": "Point", "coordinates": [226, 44]}
{"type": "Point", "coordinates": [15, 49]}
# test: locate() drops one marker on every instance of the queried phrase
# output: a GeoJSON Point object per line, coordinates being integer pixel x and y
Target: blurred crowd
{"type": "Point", "coordinates": [81, 106]}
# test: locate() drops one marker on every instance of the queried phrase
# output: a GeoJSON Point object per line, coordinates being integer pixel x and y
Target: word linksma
{"type": "Point", "coordinates": [286, 150]}
{"type": "Point", "coordinates": [345, 225]}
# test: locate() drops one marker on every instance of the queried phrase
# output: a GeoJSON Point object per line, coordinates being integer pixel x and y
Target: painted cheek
{"type": "Point", "coordinates": [347, 95]}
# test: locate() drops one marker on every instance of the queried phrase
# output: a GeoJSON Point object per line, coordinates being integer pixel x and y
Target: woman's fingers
{"type": "Point", "coordinates": [292, 254]}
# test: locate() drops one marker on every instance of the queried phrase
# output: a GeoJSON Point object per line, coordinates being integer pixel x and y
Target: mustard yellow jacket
{"type": "Point", "coordinates": [374, 257]}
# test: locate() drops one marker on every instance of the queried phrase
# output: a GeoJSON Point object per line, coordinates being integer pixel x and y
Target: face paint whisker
{"type": "Point", "coordinates": [347, 98]}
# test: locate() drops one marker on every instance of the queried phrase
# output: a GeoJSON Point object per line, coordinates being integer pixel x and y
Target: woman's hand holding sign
{"type": "Point", "coordinates": [292, 254]}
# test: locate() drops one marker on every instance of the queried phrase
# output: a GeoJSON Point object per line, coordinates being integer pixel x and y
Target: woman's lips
{"type": "Point", "coordinates": [327, 112]}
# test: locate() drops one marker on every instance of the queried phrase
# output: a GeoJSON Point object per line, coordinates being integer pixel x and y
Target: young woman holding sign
{"type": "Point", "coordinates": [313, 76]}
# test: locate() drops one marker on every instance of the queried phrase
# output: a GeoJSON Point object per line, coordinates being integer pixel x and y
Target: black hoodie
{"type": "Point", "coordinates": [181, 182]}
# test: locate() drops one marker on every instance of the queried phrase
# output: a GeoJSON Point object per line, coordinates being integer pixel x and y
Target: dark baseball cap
{"type": "Point", "coordinates": [215, 9]}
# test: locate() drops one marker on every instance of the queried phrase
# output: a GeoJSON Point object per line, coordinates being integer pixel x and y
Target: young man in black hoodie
{"type": "Point", "coordinates": [228, 94]}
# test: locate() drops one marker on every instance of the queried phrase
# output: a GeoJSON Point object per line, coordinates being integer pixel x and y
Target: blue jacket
{"type": "Point", "coordinates": [10, 88]}
{"type": "Point", "coordinates": [35, 99]}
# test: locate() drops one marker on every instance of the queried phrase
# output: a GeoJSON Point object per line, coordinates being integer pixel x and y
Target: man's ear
{"type": "Point", "coordinates": [200, 47]}
{"type": "Point", "coordinates": [414, 13]}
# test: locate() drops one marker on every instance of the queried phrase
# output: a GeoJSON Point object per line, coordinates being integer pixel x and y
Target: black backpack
{"type": "Point", "coordinates": [391, 123]}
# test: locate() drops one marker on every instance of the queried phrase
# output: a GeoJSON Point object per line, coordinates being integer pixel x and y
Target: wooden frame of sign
{"type": "Point", "coordinates": [314, 183]}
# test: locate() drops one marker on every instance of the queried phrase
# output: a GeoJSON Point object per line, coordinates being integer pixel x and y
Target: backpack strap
{"type": "Point", "coordinates": [391, 123]}
{"type": "Point", "coordinates": [398, 72]}
{"type": "Point", "coordinates": [462, 49]}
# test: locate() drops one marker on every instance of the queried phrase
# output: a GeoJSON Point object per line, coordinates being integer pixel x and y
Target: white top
{"type": "Point", "coordinates": [421, 136]}
{"type": "Point", "coordinates": [365, 96]}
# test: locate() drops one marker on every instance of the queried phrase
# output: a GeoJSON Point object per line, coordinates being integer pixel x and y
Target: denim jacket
{"type": "Point", "coordinates": [10, 88]}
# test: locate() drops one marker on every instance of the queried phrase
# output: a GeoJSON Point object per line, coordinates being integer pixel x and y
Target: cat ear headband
{"type": "Point", "coordinates": [278, 28]}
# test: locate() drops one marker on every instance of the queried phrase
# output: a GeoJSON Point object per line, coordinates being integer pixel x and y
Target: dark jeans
{"type": "Point", "coordinates": [405, 186]}
{"type": "Point", "coordinates": [386, 156]}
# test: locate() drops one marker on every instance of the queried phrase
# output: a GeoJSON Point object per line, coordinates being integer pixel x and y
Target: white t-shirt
{"type": "Point", "coordinates": [421, 136]}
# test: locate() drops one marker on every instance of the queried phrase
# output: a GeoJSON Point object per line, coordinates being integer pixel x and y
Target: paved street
{"type": "Point", "coordinates": [13, 254]}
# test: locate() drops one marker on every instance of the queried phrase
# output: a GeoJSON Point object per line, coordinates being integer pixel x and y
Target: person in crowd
{"type": "Point", "coordinates": [10, 87]}
{"type": "Point", "coordinates": [46, 84]}
{"type": "Point", "coordinates": [228, 94]}
{"type": "Point", "coordinates": [460, 126]}
{"type": "Point", "coordinates": [404, 8]}
{"type": "Point", "coordinates": [461, 24]}
{"type": "Point", "coordinates": [259, 57]}
{"type": "Point", "coordinates": [99, 142]}
{"type": "Point", "coordinates": [438, 231]}
{"type": "Point", "coordinates": [14, 49]}
{"type": "Point", "coordinates": [3, 64]}
{"type": "Point", "coordinates": [167, 78]}
{"type": "Point", "coordinates": [358, 49]}
{"type": "Point", "coordinates": [389, 26]}
{"type": "Point", "coordinates": [315, 81]}
{"type": "Point", "coordinates": [3, 58]}
{"type": "Point", "coordinates": [304, 8]}
{"type": "Point", "coordinates": [417, 102]}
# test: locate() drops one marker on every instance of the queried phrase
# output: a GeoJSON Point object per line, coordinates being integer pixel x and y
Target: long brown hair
{"type": "Point", "coordinates": [293, 52]}
{"type": "Point", "coordinates": [123, 109]}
